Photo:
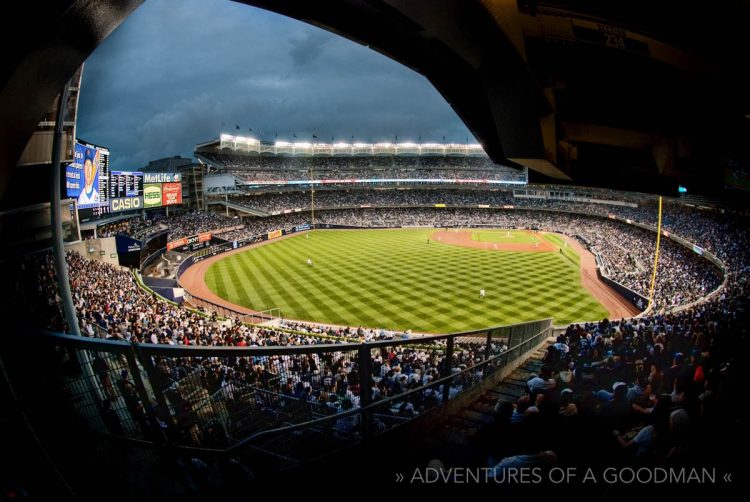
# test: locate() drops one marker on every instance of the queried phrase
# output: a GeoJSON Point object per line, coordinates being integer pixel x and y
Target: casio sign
{"type": "Point", "coordinates": [125, 203]}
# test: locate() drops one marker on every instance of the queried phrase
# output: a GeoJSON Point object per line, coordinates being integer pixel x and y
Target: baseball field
{"type": "Point", "coordinates": [419, 279]}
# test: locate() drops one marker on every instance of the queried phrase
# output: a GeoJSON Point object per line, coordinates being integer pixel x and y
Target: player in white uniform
{"type": "Point", "coordinates": [481, 293]}
{"type": "Point", "coordinates": [309, 262]}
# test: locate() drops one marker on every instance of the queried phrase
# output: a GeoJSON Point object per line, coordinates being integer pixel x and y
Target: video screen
{"type": "Point", "coordinates": [86, 178]}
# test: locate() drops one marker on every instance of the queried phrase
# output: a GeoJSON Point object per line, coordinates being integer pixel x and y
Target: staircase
{"type": "Point", "coordinates": [452, 438]}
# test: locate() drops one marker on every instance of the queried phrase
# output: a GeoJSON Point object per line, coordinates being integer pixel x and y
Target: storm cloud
{"type": "Point", "coordinates": [179, 72]}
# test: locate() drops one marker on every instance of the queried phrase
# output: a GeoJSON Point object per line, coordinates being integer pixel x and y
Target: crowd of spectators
{"type": "Point", "coordinates": [110, 305]}
{"type": "Point", "coordinates": [130, 226]}
{"type": "Point", "coordinates": [277, 202]}
{"type": "Point", "coordinates": [279, 168]}
{"type": "Point", "coordinates": [660, 372]}
{"type": "Point", "coordinates": [257, 175]}
{"type": "Point", "coordinates": [195, 222]}
{"type": "Point", "coordinates": [347, 163]}
{"type": "Point", "coordinates": [642, 390]}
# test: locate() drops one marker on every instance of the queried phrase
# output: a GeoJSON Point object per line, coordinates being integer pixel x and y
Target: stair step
{"type": "Point", "coordinates": [476, 417]}
{"type": "Point", "coordinates": [434, 442]}
{"type": "Point", "coordinates": [512, 390]}
{"type": "Point", "coordinates": [459, 429]}
{"type": "Point", "coordinates": [487, 399]}
{"type": "Point", "coordinates": [452, 437]}
{"type": "Point", "coordinates": [505, 396]}
{"type": "Point", "coordinates": [483, 407]}
{"type": "Point", "coordinates": [458, 424]}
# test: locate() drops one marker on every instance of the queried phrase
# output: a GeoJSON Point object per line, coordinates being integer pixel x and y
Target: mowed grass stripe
{"type": "Point", "coordinates": [319, 277]}
{"type": "Point", "coordinates": [335, 304]}
{"type": "Point", "coordinates": [425, 298]}
{"type": "Point", "coordinates": [288, 302]}
{"type": "Point", "coordinates": [254, 284]}
{"type": "Point", "coordinates": [236, 280]}
{"type": "Point", "coordinates": [215, 281]}
{"type": "Point", "coordinates": [394, 279]}
{"type": "Point", "coordinates": [409, 296]}
{"type": "Point", "coordinates": [378, 300]}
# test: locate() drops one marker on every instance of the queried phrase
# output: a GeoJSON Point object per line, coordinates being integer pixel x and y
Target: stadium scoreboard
{"type": "Point", "coordinates": [99, 191]}
{"type": "Point", "coordinates": [125, 184]}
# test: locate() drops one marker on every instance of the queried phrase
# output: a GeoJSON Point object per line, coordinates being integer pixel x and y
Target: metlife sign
{"type": "Point", "coordinates": [162, 177]}
{"type": "Point", "coordinates": [125, 204]}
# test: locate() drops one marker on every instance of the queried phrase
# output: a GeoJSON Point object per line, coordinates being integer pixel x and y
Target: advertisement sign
{"type": "Point", "coordinates": [205, 237]}
{"type": "Point", "coordinates": [125, 204]}
{"type": "Point", "coordinates": [125, 244]}
{"type": "Point", "coordinates": [171, 194]}
{"type": "Point", "coordinates": [250, 240]}
{"type": "Point", "coordinates": [274, 234]}
{"type": "Point", "coordinates": [162, 177]}
{"type": "Point", "coordinates": [128, 251]}
{"type": "Point", "coordinates": [151, 195]}
{"type": "Point", "coordinates": [199, 245]}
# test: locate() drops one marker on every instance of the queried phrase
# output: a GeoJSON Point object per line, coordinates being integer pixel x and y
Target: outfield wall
{"type": "Point", "coordinates": [638, 301]}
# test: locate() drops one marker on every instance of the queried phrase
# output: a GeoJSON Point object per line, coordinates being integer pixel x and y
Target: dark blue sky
{"type": "Point", "coordinates": [169, 76]}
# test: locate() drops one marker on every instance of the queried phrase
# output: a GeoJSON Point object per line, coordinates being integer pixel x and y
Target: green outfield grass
{"type": "Point", "coordinates": [395, 279]}
{"type": "Point", "coordinates": [565, 250]}
{"type": "Point", "coordinates": [517, 236]}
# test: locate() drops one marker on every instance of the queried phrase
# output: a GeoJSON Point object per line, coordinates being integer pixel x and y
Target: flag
{"type": "Point", "coordinates": [276, 134]}
{"type": "Point", "coordinates": [443, 139]}
{"type": "Point", "coordinates": [315, 137]}
{"type": "Point", "coordinates": [396, 137]}
{"type": "Point", "coordinates": [236, 126]}
{"type": "Point", "coordinates": [420, 137]}
{"type": "Point", "coordinates": [294, 134]}
{"type": "Point", "coordinates": [250, 129]}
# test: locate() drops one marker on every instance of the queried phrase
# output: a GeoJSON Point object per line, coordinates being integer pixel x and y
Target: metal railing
{"type": "Point", "coordinates": [289, 403]}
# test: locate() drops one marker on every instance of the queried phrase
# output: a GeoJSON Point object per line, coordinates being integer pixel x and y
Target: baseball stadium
{"type": "Point", "coordinates": [567, 294]}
